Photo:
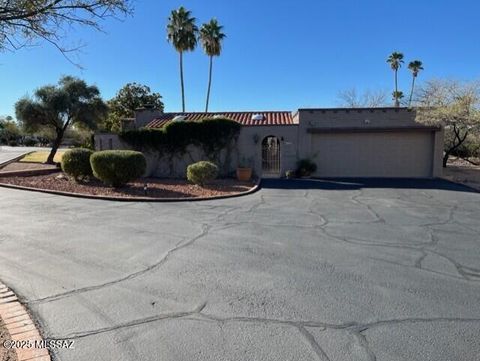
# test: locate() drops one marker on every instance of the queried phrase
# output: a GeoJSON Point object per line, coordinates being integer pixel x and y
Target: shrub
{"type": "Point", "coordinates": [202, 172]}
{"type": "Point", "coordinates": [306, 167]}
{"type": "Point", "coordinates": [76, 163]}
{"type": "Point", "coordinates": [118, 167]}
{"type": "Point", "coordinates": [30, 142]}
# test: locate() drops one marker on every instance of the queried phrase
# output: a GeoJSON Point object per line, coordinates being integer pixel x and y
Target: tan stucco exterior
{"type": "Point", "coordinates": [378, 142]}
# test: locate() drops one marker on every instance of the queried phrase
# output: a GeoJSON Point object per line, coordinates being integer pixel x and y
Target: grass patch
{"type": "Point", "coordinates": [41, 156]}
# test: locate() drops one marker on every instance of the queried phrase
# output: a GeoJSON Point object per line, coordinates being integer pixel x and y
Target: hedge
{"type": "Point", "coordinates": [212, 135]}
{"type": "Point", "coordinates": [76, 162]}
{"type": "Point", "coordinates": [118, 167]}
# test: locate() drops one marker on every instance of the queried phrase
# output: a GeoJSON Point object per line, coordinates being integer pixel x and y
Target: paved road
{"type": "Point", "coordinates": [320, 271]}
{"type": "Point", "coordinates": [8, 153]}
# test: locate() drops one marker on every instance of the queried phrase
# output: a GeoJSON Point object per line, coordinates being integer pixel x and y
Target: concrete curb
{"type": "Point", "coordinates": [252, 190]}
{"type": "Point", "coordinates": [473, 186]}
{"type": "Point", "coordinates": [28, 172]}
{"type": "Point", "coordinates": [21, 327]}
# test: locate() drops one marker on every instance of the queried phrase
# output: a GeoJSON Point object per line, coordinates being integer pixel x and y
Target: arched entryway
{"type": "Point", "coordinates": [271, 156]}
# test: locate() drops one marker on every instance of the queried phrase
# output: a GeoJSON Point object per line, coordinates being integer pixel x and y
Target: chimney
{"type": "Point", "coordinates": [145, 115]}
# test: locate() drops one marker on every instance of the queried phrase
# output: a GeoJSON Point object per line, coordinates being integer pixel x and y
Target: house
{"type": "Point", "coordinates": [343, 142]}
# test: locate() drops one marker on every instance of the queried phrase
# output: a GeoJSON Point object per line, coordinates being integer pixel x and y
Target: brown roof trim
{"type": "Point", "coordinates": [270, 125]}
{"type": "Point", "coordinates": [358, 109]}
{"type": "Point", "coordinates": [374, 129]}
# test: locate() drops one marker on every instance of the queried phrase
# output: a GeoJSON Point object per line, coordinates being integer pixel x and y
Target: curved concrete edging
{"type": "Point", "coordinates": [252, 190]}
{"type": "Point", "coordinates": [20, 326]}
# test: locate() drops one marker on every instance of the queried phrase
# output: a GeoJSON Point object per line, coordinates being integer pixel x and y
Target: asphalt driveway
{"type": "Point", "coordinates": [323, 270]}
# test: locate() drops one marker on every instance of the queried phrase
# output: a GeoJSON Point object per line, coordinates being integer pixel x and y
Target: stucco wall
{"type": "Point", "coordinates": [248, 146]}
{"type": "Point", "coordinates": [369, 143]}
{"type": "Point", "coordinates": [394, 135]}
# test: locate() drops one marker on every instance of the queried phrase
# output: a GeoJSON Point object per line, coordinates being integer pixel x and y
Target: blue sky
{"type": "Point", "coordinates": [279, 55]}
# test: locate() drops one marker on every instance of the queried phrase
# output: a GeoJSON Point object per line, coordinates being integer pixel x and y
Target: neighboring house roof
{"type": "Point", "coordinates": [244, 118]}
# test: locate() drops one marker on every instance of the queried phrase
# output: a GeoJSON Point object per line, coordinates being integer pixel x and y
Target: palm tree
{"type": "Point", "coordinates": [397, 95]}
{"type": "Point", "coordinates": [211, 37]}
{"type": "Point", "coordinates": [182, 33]}
{"type": "Point", "coordinates": [415, 67]}
{"type": "Point", "coordinates": [395, 60]}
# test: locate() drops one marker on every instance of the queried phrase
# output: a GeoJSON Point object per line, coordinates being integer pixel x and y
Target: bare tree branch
{"type": "Point", "coordinates": [27, 21]}
{"type": "Point", "coordinates": [454, 105]}
{"type": "Point", "coordinates": [368, 99]}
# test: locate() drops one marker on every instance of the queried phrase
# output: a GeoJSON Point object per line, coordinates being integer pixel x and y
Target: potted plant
{"type": "Point", "coordinates": [290, 174]}
{"type": "Point", "coordinates": [305, 168]}
{"type": "Point", "coordinates": [244, 169]}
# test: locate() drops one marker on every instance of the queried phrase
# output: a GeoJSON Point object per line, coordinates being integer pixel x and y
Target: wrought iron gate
{"type": "Point", "coordinates": [271, 155]}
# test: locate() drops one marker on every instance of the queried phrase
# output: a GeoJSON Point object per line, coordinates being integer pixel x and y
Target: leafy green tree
{"type": "Point", "coordinates": [131, 97]}
{"type": "Point", "coordinates": [182, 33]}
{"type": "Point", "coordinates": [396, 60]}
{"type": "Point", "coordinates": [455, 106]}
{"type": "Point", "coordinates": [415, 67]}
{"type": "Point", "coordinates": [211, 37]}
{"type": "Point", "coordinates": [56, 107]}
{"type": "Point", "coordinates": [9, 130]}
{"type": "Point", "coordinates": [22, 22]}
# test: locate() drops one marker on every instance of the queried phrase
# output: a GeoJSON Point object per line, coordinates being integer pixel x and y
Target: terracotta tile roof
{"type": "Point", "coordinates": [244, 118]}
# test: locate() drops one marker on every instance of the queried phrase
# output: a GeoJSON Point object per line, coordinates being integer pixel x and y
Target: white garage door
{"type": "Point", "coordinates": [389, 154]}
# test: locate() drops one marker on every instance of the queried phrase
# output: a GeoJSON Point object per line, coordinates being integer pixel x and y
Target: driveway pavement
{"type": "Point", "coordinates": [345, 270]}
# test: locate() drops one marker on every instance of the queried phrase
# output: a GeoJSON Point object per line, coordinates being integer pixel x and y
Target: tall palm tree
{"type": "Point", "coordinates": [182, 33]}
{"type": "Point", "coordinates": [211, 37]}
{"type": "Point", "coordinates": [397, 95]}
{"type": "Point", "coordinates": [415, 67]}
{"type": "Point", "coordinates": [396, 60]}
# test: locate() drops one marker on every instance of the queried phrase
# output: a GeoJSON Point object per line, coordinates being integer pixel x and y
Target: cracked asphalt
{"type": "Point", "coordinates": [301, 270]}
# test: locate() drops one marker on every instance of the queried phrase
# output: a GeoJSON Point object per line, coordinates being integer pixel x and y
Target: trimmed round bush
{"type": "Point", "coordinates": [202, 172]}
{"type": "Point", "coordinates": [118, 167]}
{"type": "Point", "coordinates": [76, 162]}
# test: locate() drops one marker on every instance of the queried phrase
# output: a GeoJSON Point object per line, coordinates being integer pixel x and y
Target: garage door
{"type": "Point", "coordinates": [389, 154]}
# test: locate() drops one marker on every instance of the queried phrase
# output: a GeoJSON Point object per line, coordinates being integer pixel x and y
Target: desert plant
{"type": "Point", "coordinates": [305, 167]}
{"type": "Point", "coordinates": [76, 163]}
{"type": "Point", "coordinates": [118, 167]}
{"type": "Point", "coordinates": [202, 172]}
{"type": "Point", "coordinates": [290, 174]}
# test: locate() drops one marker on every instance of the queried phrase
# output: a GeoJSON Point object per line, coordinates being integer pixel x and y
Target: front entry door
{"type": "Point", "coordinates": [271, 156]}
